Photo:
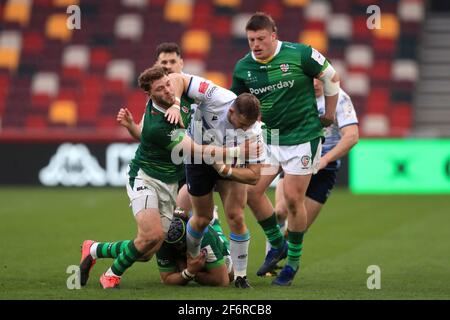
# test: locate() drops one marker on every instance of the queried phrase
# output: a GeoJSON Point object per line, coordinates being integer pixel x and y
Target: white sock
{"type": "Point", "coordinates": [110, 273]}
{"type": "Point", "coordinates": [215, 213]}
{"type": "Point", "coordinates": [193, 240]}
{"type": "Point", "coordinates": [93, 250]}
{"type": "Point", "coordinates": [239, 253]}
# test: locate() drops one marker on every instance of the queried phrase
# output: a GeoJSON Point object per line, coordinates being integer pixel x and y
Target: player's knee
{"type": "Point", "coordinates": [202, 221]}
{"type": "Point", "coordinates": [281, 212]}
{"type": "Point", "coordinates": [236, 220]}
{"type": "Point", "coordinates": [149, 240]}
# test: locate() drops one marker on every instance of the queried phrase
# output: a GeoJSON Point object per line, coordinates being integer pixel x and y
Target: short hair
{"type": "Point", "coordinates": [168, 47]}
{"type": "Point", "coordinates": [261, 20]}
{"type": "Point", "coordinates": [248, 105]}
{"type": "Point", "coordinates": [149, 76]}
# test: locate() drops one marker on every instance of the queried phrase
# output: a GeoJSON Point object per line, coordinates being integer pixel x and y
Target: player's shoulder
{"type": "Point", "coordinates": [343, 98]}
{"type": "Point", "coordinates": [294, 46]}
{"type": "Point", "coordinates": [244, 61]}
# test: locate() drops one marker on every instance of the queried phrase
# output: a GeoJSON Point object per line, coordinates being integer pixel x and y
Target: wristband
{"type": "Point", "coordinates": [176, 107]}
{"type": "Point", "coordinates": [187, 275]}
{"type": "Point", "coordinates": [230, 171]}
{"type": "Point", "coordinates": [222, 168]}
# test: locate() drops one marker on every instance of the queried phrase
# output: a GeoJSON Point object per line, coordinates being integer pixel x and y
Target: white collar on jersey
{"type": "Point", "coordinates": [158, 108]}
{"type": "Point", "coordinates": [277, 50]}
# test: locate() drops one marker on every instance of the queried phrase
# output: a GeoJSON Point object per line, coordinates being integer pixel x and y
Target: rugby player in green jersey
{"type": "Point", "coordinates": [152, 182]}
{"type": "Point", "coordinates": [281, 75]}
{"type": "Point", "coordinates": [213, 267]}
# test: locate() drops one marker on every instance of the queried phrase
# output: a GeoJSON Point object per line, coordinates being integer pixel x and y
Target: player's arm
{"type": "Point", "coordinates": [125, 119]}
{"type": "Point", "coordinates": [180, 83]}
{"type": "Point", "coordinates": [183, 144]}
{"type": "Point", "coordinates": [348, 123]}
{"type": "Point", "coordinates": [349, 137]}
{"type": "Point", "coordinates": [194, 265]}
{"type": "Point", "coordinates": [217, 276]}
{"type": "Point", "coordinates": [248, 175]}
{"type": "Point", "coordinates": [331, 86]}
{"type": "Point", "coordinates": [238, 85]}
{"type": "Point", "coordinates": [317, 66]}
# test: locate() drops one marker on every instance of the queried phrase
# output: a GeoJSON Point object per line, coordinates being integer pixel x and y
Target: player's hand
{"type": "Point", "coordinates": [125, 118]}
{"type": "Point", "coordinates": [173, 114]}
{"type": "Point", "coordinates": [252, 148]}
{"type": "Point", "coordinates": [326, 120]}
{"type": "Point", "coordinates": [323, 163]}
{"type": "Point", "coordinates": [195, 265]}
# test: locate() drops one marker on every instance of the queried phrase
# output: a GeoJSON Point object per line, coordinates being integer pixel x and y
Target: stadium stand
{"type": "Point", "coordinates": [51, 76]}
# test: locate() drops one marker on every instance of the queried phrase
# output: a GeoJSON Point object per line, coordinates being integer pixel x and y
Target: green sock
{"type": "Point", "coordinates": [111, 249]}
{"type": "Point", "coordinates": [218, 228]}
{"type": "Point", "coordinates": [125, 259]}
{"type": "Point", "coordinates": [295, 245]}
{"type": "Point", "coordinates": [272, 231]}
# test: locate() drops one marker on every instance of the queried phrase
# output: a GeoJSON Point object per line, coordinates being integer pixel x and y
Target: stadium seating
{"type": "Point", "coordinates": [51, 75]}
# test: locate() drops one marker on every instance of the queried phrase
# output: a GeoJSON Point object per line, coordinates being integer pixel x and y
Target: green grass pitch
{"type": "Point", "coordinates": [406, 236]}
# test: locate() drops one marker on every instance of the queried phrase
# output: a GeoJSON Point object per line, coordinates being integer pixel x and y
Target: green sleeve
{"type": "Point", "coordinates": [165, 259]}
{"type": "Point", "coordinates": [312, 61]}
{"type": "Point", "coordinates": [238, 86]}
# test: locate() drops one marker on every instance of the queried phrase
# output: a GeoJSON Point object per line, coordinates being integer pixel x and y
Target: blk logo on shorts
{"type": "Point", "coordinates": [306, 161]}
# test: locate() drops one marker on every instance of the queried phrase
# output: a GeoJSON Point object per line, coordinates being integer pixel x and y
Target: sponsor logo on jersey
{"type": "Point", "coordinates": [214, 118]}
{"type": "Point", "coordinates": [141, 188]}
{"type": "Point", "coordinates": [203, 87]}
{"type": "Point", "coordinates": [276, 86]}
{"type": "Point", "coordinates": [305, 161]}
{"type": "Point", "coordinates": [284, 67]}
{"type": "Point", "coordinates": [210, 92]}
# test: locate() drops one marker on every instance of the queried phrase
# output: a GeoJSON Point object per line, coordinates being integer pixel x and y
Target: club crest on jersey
{"type": "Point", "coordinates": [305, 161]}
{"type": "Point", "coordinates": [203, 87]}
{"type": "Point", "coordinates": [185, 109]}
{"type": "Point", "coordinates": [284, 67]}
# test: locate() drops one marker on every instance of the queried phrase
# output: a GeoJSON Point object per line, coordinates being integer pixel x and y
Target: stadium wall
{"type": "Point", "coordinates": [75, 164]}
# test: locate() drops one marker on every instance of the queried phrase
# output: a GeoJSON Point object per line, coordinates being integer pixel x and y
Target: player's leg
{"type": "Point", "coordinates": [183, 200]}
{"type": "Point", "coordinates": [234, 199]}
{"type": "Point", "coordinates": [319, 190]}
{"type": "Point", "coordinates": [215, 224]}
{"type": "Point", "coordinates": [298, 171]}
{"type": "Point", "coordinates": [152, 203]}
{"type": "Point", "coordinates": [201, 179]}
{"type": "Point", "coordinates": [263, 210]}
{"type": "Point", "coordinates": [280, 208]}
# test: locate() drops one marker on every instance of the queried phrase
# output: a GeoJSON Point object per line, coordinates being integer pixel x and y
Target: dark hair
{"type": "Point", "coordinates": [149, 76]}
{"type": "Point", "coordinates": [168, 47]}
{"type": "Point", "coordinates": [261, 20]}
{"type": "Point", "coordinates": [247, 105]}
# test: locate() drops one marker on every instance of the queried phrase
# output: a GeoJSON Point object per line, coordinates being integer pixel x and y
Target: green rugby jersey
{"type": "Point", "coordinates": [285, 88]}
{"type": "Point", "coordinates": [168, 255]}
{"type": "Point", "coordinates": [158, 138]}
{"type": "Point", "coordinates": [185, 109]}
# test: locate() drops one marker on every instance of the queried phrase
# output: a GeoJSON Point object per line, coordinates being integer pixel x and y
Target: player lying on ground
{"type": "Point", "coordinates": [212, 267]}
